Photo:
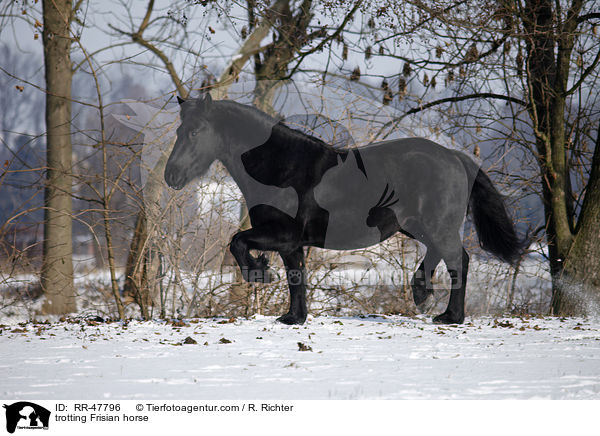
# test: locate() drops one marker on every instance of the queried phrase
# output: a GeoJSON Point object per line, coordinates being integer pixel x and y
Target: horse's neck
{"type": "Point", "coordinates": [235, 167]}
{"type": "Point", "coordinates": [245, 129]}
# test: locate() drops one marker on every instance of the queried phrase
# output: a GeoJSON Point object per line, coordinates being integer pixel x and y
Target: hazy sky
{"type": "Point", "coordinates": [214, 49]}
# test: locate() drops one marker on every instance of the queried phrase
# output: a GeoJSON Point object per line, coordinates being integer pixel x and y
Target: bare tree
{"type": "Point", "coordinates": [519, 72]}
{"type": "Point", "coordinates": [57, 268]}
{"type": "Point", "coordinates": [457, 71]}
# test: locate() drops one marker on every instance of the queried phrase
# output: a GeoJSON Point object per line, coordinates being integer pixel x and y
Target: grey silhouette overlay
{"type": "Point", "coordinates": [302, 191]}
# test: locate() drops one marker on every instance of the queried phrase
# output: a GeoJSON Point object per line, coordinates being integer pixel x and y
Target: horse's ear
{"type": "Point", "coordinates": [207, 99]}
{"type": "Point", "coordinates": [180, 100]}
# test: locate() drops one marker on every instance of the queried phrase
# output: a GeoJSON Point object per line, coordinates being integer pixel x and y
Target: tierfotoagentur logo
{"type": "Point", "coordinates": [26, 416]}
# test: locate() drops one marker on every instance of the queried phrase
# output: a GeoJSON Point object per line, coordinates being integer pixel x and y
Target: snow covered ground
{"type": "Point", "coordinates": [327, 358]}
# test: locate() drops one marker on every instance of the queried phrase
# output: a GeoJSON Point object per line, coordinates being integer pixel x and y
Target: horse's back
{"type": "Point", "coordinates": [421, 182]}
{"type": "Point", "coordinates": [405, 148]}
{"type": "Point", "coordinates": [416, 161]}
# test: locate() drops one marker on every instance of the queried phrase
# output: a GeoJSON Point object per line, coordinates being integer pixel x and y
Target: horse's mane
{"type": "Point", "coordinates": [280, 130]}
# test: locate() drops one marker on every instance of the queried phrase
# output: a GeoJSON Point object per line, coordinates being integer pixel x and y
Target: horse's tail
{"type": "Point", "coordinates": [495, 229]}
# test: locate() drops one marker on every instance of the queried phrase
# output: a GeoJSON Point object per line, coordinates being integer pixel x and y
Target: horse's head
{"type": "Point", "coordinates": [197, 144]}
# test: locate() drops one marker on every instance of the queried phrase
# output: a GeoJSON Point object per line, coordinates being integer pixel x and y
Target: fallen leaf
{"type": "Point", "coordinates": [302, 347]}
{"type": "Point", "coordinates": [505, 324]}
{"type": "Point", "coordinates": [228, 321]}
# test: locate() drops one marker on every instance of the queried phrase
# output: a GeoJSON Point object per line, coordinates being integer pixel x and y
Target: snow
{"type": "Point", "coordinates": [373, 357]}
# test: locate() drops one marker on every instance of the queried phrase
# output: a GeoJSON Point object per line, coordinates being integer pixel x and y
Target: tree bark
{"type": "Point", "coordinates": [134, 272]}
{"type": "Point", "coordinates": [579, 286]}
{"type": "Point", "coordinates": [57, 266]}
{"type": "Point", "coordinates": [141, 268]}
{"type": "Point", "coordinates": [574, 251]}
{"type": "Point", "coordinates": [549, 47]}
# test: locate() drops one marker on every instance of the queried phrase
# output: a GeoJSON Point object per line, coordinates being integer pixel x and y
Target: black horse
{"type": "Point", "coordinates": [302, 192]}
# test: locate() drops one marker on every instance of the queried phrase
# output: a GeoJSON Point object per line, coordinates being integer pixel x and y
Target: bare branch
{"type": "Point", "coordinates": [585, 74]}
{"type": "Point", "coordinates": [249, 48]}
{"type": "Point", "coordinates": [455, 99]}
{"type": "Point", "coordinates": [138, 38]}
{"type": "Point", "coordinates": [590, 16]}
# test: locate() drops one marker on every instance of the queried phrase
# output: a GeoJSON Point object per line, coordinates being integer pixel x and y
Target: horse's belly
{"type": "Point", "coordinates": [348, 235]}
{"type": "Point", "coordinates": [283, 199]}
{"type": "Point", "coordinates": [363, 240]}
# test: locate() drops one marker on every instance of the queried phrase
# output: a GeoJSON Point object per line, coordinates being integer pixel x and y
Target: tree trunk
{"type": "Point", "coordinates": [135, 280]}
{"type": "Point", "coordinates": [572, 252]}
{"type": "Point", "coordinates": [579, 286]}
{"type": "Point", "coordinates": [57, 267]}
{"type": "Point", "coordinates": [142, 269]}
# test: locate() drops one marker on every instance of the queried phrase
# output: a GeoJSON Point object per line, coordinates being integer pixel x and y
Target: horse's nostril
{"type": "Point", "coordinates": [173, 179]}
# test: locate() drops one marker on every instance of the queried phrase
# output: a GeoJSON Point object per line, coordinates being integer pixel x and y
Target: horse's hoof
{"type": "Point", "coordinates": [446, 318]}
{"type": "Point", "coordinates": [426, 305]}
{"type": "Point", "coordinates": [262, 262]}
{"type": "Point", "coordinates": [291, 319]}
{"type": "Point", "coordinates": [421, 295]}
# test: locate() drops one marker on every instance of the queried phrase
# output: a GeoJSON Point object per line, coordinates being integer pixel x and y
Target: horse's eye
{"type": "Point", "coordinates": [194, 132]}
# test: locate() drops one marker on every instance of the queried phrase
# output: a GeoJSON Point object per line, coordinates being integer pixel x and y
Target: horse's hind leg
{"type": "Point", "coordinates": [457, 262]}
{"type": "Point", "coordinates": [296, 277]}
{"type": "Point", "coordinates": [421, 282]}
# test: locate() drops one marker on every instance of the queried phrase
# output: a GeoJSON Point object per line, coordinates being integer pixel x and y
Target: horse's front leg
{"type": "Point", "coordinates": [296, 277]}
{"type": "Point", "coordinates": [263, 238]}
{"type": "Point", "coordinates": [285, 240]}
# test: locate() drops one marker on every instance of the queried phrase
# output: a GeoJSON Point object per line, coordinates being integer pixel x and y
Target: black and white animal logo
{"type": "Point", "coordinates": [26, 415]}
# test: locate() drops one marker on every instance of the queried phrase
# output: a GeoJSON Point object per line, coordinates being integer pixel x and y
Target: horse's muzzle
{"type": "Point", "coordinates": [174, 179]}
